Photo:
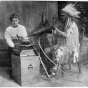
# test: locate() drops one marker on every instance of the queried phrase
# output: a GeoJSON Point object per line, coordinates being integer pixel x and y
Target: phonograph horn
{"type": "Point", "coordinates": [41, 28]}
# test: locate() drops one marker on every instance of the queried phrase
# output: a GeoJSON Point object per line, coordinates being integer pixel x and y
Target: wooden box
{"type": "Point", "coordinates": [25, 68]}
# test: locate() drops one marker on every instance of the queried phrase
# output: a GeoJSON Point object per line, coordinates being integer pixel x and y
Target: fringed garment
{"type": "Point", "coordinates": [71, 46]}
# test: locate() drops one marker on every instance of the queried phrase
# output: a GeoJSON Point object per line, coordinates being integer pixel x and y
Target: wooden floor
{"type": "Point", "coordinates": [80, 80]}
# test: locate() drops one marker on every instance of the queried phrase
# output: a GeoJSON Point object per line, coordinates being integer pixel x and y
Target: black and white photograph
{"type": "Point", "coordinates": [43, 43]}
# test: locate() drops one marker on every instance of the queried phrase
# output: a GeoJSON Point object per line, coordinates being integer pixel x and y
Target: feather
{"type": "Point", "coordinates": [70, 8]}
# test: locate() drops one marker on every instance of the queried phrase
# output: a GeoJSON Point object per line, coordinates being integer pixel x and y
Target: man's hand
{"type": "Point", "coordinates": [47, 50]}
{"type": "Point", "coordinates": [55, 47]}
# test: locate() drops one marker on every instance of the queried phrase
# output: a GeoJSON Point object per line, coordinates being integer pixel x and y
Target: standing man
{"type": "Point", "coordinates": [14, 32]}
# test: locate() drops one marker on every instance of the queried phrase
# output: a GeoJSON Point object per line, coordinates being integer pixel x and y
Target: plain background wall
{"type": "Point", "coordinates": [30, 17]}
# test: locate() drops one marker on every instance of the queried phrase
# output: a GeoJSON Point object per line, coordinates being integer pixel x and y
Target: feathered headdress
{"type": "Point", "coordinates": [71, 10]}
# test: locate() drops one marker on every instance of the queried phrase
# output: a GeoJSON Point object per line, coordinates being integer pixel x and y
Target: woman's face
{"type": "Point", "coordinates": [15, 22]}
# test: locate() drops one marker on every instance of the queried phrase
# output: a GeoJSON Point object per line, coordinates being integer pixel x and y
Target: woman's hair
{"type": "Point", "coordinates": [14, 16]}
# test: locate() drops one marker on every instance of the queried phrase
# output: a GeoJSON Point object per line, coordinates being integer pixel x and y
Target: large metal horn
{"type": "Point", "coordinates": [43, 27]}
